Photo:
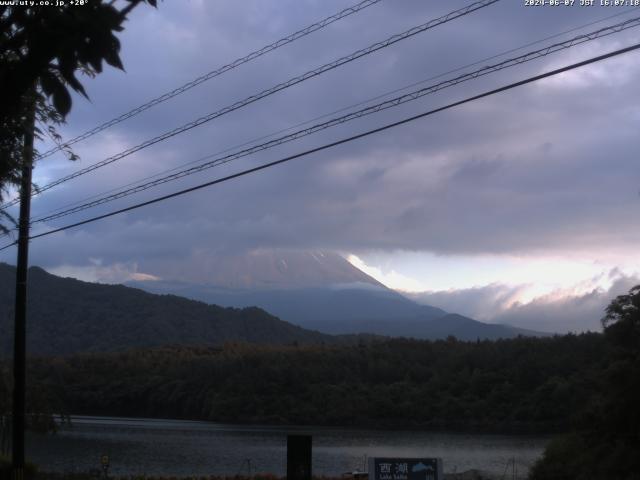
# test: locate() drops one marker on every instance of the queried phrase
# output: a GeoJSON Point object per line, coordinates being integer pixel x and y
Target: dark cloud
{"type": "Point", "coordinates": [546, 167]}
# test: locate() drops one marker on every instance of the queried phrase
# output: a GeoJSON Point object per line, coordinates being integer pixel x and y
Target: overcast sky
{"type": "Point", "coordinates": [505, 209]}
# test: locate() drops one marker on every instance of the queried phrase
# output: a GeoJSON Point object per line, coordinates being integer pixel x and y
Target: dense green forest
{"type": "Point", "coordinates": [518, 385]}
{"type": "Point", "coordinates": [586, 387]}
{"type": "Point", "coordinates": [604, 437]}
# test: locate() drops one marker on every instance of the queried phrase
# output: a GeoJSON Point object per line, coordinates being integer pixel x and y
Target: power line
{"type": "Point", "coordinates": [343, 109]}
{"type": "Point", "coordinates": [215, 73]}
{"type": "Point", "coordinates": [342, 141]}
{"type": "Point", "coordinates": [402, 99]}
{"type": "Point", "coordinates": [265, 93]}
{"type": "Point", "coordinates": [585, 37]}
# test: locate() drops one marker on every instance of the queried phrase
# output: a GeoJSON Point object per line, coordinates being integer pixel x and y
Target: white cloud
{"type": "Point", "coordinates": [612, 73]}
{"type": "Point", "coordinates": [545, 171]}
{"type": "Point", "coordinates": [571, 272]}
{"type": "Point", "coordinates": [577, 308]}
{"type": "Point", "coordinates": [97, 272]}
{"type": "Point", "coordinates": [552, 294]}
{"type": "Point", "coordinates": [390, 278]}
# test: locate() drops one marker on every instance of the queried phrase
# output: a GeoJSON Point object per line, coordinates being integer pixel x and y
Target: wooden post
{"type": "Point", "coordinates": [19, 345]}
{"type": "Point", "coordinates": [299, 457]}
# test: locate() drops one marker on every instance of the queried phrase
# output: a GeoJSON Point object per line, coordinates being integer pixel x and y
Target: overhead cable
{"type": "Point", "coordinates": [339, 142]}
{"type": "Point", "coordinates": [265, 93]}
{"type": "Point", "coordinates": [325, 115]}
{"type": "Point", "coordinates": [215, 73]}
{"type": "Point", "coordinates": [394, 102]}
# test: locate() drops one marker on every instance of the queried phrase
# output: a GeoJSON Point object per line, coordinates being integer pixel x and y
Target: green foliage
{"type": "Point", "coordinates": [518, 385]}
{"type": "Point", "coordinates": [45, 412]}
{"type": "Point", "coordinates": [30, 470]}
{"type": "Point", "coordinates": [622, 323]}
{"type": "Point", "coordinates": [89, 476]}
{"type": "Point", "coordinates": [561, 459]}
{"type": "Point", "coordinates": [41, 51]}
{"type": "Point", "coordinates": [69, 316]}
{"type": "Point", "coordinates": [605, 440]}
{"type": "Point", "coordinates": [48, 46]}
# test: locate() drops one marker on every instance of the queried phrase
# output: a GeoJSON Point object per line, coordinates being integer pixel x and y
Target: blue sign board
{"type": "Point", "coordinates": [405, 469]}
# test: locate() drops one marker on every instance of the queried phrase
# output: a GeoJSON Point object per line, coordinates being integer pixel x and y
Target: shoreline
{"type": "Point", "coordinates": [179, 449]}
{"type": "Point", "coordinates": [265, 426]}
{"type": "Point", "coordinates": [472, 474]}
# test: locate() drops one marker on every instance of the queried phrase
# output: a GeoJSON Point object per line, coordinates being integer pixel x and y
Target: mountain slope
{"type": "Point", "coordinates": [316, 290]}
{"type": "Point", "coordinates": [330, 310]}
{"type": "Point", "coordinates": [347, 311]}
{"type": "Point", "coordinates": [264, 268]}
{"type": "Point", "coordinates": [68, 316]}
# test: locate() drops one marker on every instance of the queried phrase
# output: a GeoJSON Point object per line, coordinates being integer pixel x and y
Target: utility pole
{"type": "Point", "coordinates": [19, 345]}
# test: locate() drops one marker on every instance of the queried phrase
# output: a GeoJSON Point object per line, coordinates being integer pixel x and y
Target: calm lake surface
{"type": "Point", "coordinates": [180, 448]}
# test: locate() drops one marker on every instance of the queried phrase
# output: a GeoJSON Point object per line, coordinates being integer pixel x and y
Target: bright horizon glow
{"type": "Point", "coordinates": [551, 277]}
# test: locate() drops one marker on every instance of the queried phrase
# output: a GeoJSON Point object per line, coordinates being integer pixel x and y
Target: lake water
{"type": "Point", "coordinates": [181, 448]}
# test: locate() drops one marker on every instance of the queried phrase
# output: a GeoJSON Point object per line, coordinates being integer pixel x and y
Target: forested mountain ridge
{"type": "Point", "coordinates": [68, 316]}
{"type": "Point", "coordinates": [519, 385]}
